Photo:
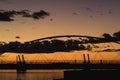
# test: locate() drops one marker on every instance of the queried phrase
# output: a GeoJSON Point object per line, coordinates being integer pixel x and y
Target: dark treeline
{"type": "Point", "coordinates": [56, 45]}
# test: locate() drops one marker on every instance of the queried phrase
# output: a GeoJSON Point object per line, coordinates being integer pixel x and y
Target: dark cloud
{"type": "Point", "coordinates": [40, 14]}
{"type": "Point", "coordinates": [74, 13]}
{"type": "Point", "coordinates": [91, 16]}
{"type": "Point", "coordinates": [55, 45]}
{"type": "Point", "coordinates": [22, 12]}
{"type": "Point", "coordinates": [89, 9]}
{"type": "Point", "coordinates": [17, 37]}
{"type": "Point", "coordinates": [110, 11]}
{"type": "Point", "coordinates": [117, 34]}
{"type": "Point", "coordinates": [51, 19]}
{"type": "Point", "coordinates": [109, 50]}
{"type": "Point", "coordinates": [96, 12]}
{"type": "Point", "coordinates": [107, 36]}
{"type": "Point", "coordinates": [9, 15]}
{"type": "Point", "coordinates": [5, 17]}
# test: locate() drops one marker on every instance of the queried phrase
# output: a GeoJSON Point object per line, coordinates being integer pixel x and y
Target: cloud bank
{"type": "Point", "coordinates": [55, 45]}
{"type": "Point", "coordinates": [9, 15]}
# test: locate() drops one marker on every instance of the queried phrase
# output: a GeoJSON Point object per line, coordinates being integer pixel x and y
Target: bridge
{"type": "Point", "coordinates": [21, 65]}
{"type": "Point", "coordinates": [69, 45]}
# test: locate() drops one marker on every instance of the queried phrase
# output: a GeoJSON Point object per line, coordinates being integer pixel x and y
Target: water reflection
{"type": "Point", "coordinates": [32, 75]}
{"type": "Point", "coordinates": [21, 76]}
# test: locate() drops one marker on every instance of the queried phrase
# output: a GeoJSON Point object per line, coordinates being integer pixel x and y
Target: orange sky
{"type": "Point", "coordinates": [69, 17]}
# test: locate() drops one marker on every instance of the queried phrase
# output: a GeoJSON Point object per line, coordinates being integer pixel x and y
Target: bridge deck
{"type": "Point", "coordinates": [60, 66]}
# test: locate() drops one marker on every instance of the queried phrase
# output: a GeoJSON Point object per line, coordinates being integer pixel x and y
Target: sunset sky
{"type": "Point", "coordinates": [67, 17]}
{"type": "Point", "coordinates": [80, 17]}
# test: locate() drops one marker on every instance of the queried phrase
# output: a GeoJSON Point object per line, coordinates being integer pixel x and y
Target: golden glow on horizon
{"type": "Point", "coordinates": [76, 55]}
{"type": "Point", "coordinates": [95, 54]}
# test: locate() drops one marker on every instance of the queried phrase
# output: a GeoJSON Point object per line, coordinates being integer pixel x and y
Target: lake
{"type": "Point", "coordinates": [31, 75]}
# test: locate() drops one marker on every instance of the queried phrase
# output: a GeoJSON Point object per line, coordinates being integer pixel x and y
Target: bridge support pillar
{"type": "Point", "coordinates": [21, 65]}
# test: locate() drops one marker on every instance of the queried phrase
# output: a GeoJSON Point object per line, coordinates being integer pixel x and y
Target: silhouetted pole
{"type": "Point", "coordinates": [21, 67]}
{"type": "Point", "coordinates": [19, 59]}
{"type": "Point", "coordinates": [88, 58]}
{"type": "Point", "coordinates": [84, 59]}
{"type": "Point", "coordinates": [101, 61]}
{"type": "Point", "coordinates": [23, 58]}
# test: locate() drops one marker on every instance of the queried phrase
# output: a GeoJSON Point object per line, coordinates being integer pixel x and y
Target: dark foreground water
{"type": "Point", "coordinates": [31, 75]}
{"type": "Point", "coordinates": [61, 75]}
{"type": "Point", "coordinates": [92, 75]}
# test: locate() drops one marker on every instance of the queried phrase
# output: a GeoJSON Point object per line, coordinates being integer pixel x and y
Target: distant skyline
{"type": "Point", "coordinates": [73, 17]}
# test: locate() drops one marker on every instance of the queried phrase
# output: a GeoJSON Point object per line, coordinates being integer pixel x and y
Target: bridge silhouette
{"type": "Point", "coordinates": [21, 65]}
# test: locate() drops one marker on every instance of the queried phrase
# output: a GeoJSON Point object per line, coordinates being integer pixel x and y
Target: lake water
{"type": "Point", "coordinates": [60, 74]}
{"type": "Point", "coordinates": [31, 75]}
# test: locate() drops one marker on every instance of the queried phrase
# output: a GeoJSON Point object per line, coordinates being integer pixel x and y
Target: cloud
{"type": "Point", "coordinates": [89, 9]}
{"type": "Point", "coordinates": [74, 13]}
{"type": "Point", "coordinates": [109, 50]}
{"type": "Point", "coordinates": [40, 14]}
{"type": "Point", "coordinates": [5, 17]}
{"type": "Point", "coordinates": [117, 34]}
{"type": "Point", "coordinates": [17, 37]}
{"type": "Point", "coordinates": [51, 19]}
{"type": "Point", "coordinates": [96, 12]}
{"type": "Point", "coordinates": [41, 47]}
{"type": "Point", "coordinates": [110, 11]}
{"type": "Point", "coordinates": [9, 15]}
{"type": "Point", "coordinates": [56, 45]}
